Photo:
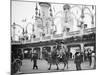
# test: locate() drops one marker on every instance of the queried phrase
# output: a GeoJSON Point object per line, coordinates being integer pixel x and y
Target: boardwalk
{"type": "Point", "coordinates": [43, 66]}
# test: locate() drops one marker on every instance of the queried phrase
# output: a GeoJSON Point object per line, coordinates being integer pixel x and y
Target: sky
{"type": "Point", "coordinates": [26, 10]}
{"type": "Point", "coordinates": [22, 10]}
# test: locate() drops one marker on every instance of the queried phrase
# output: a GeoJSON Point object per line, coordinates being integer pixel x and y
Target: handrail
{"type": "Point", "coordinates": [75, 33]}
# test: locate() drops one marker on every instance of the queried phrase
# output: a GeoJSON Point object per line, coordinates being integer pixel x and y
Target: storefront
{"type": "Point", "coordinates": [27, 53]}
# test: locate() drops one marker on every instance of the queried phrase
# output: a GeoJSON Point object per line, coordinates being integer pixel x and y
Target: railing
{"type": "Point", "coordinates": [90, 30]}
{"type": "Point", "coordinates": [75, 33]}
{"type": "Point", "coordinates": [46, 38]}
{"type": "Point", "coordinates": [58, 36]}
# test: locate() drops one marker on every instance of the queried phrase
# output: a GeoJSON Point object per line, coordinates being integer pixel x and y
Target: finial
{"type": "Point", "coordinates": [39, 13]}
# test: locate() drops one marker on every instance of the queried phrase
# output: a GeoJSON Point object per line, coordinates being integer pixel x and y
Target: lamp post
{"type": "Point", "coordinates": [90, 13]}
{"type": "Point", "coordinates": [14, 29]}
{"type": "Point", "coordinates": [26, 32]}
{"type": "Point", "coordinates": [82, 25]}
{"type": "Point", "coordinates": [81, 18]}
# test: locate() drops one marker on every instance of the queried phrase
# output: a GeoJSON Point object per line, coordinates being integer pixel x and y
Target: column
{"type": "Point", "coordinates": [66, 47]}
{"type": "Point", "coordinates": [32, 51]}
{"type": "Point", "coordinates": [22, 52]}
{"type": "Point", "coordinates": [51, 48]}
{"type": "Point", "coordinates": [82, 47]}
{"type": "Point", "coordinates": [41, 52]}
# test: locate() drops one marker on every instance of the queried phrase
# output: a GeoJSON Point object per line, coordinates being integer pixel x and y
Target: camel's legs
{"type": "Point", "coordinates": [67, 65]}
{"type": "Point", "coordinates": [57, 67]}
{"type": "Point", "coordinates": [49, 67]}
{"type": "Point", "coordinates": [64, 66]}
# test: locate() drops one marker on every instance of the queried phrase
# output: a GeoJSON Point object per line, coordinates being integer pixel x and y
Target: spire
{"type": "Point", "coordinates": [50, 9]}
{"type": "Point", "coordinates": [51, 12]}
{"type": "Point", "coordinates": [36, 9]}
{"type": "Point", "coordinates": [23, 32]}
{"type": "Point", "coordinates": [92, 22]}
{"type": "Point", "coordinates": [39, 13]}
{"type": "Point", "coordinates": [92, 7]}
{"type": "Point", "coordinates": [14, 25]}
{"type": "Point", "coordinates": [82, 12]}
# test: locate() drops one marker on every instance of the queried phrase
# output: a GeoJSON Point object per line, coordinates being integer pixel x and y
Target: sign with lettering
{"type": "Point", "coordinates": [46, 38]}
{"type": "Point", "coordinates": [36, 40]}
{"type": "Point", "coordinates": [58, 36]}
{"type": "Point", "coordinates": [75, 33]}
{"type": "Point", "coordinates": [90, 30]}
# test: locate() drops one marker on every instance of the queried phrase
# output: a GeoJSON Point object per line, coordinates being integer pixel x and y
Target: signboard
{"type": "Point", "coordinates": [90, 30]}
{"type": "Point", "coordinates": [75, 33]}
{"type": "Point", "coordinates": [57, 36]}
{"type": "Point", "coordinates": [36, 40]}
{"type": "Point", "coordinates": [46, 38]}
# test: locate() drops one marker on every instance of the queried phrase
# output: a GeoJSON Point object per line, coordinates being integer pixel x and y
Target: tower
{"type": "Point", "coordinates": [46, 13]}
{"type": "Point", "coordinates": [38, 22]}
{"type": "Point", "coordinates": [68, 19]}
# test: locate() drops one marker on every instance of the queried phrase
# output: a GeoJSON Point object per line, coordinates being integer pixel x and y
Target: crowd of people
{"type": "Point", "coordinates": [90, 56]}
{"type": "Point", "coordinates": [79, 57]}
{"type": "Point", "coordinates": [16, 61]}
{"type": "Point", "coordinates": [87, 56]}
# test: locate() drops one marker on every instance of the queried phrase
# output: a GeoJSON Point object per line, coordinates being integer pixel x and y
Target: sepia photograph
{"type": "Point", "coordinates": [52, 37]}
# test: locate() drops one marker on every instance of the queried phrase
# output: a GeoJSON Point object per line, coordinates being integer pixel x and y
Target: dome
{"type": "Point", "coordinates": [66, 7]}
{"type": "Point", "coordinates": [45, 4]}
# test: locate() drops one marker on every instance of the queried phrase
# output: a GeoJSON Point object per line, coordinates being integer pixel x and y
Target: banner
{"type": "Point", "coordinates": [57, 36]}
{"type": "Point", "coordinates": [36, 40]}
{"type": "Point", "coordinates": [90, 30]}
{"type": "Point", "coordinates": [75, 33]}
{"type": "Point", "coordinates": [46, 38]}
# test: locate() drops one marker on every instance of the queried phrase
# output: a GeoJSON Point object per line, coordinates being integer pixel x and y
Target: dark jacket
{"type": "Point", "coordinates": [78, 59]}
{"type": "Point", "coordinates": [35, 56]}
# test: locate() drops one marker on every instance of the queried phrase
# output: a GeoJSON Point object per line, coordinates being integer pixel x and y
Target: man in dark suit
{"type": "Point", "coordinates": [78, 60]}
{"type": "Point", "coordinates": [90, 56]}
{"type": "Point", "coordinates": [34, 59]}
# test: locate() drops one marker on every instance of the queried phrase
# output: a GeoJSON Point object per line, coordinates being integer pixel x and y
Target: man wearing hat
{"type": "Point", "coordinates": [34, 59]}
{"type": "Point", "coordinates": [78, 60]}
